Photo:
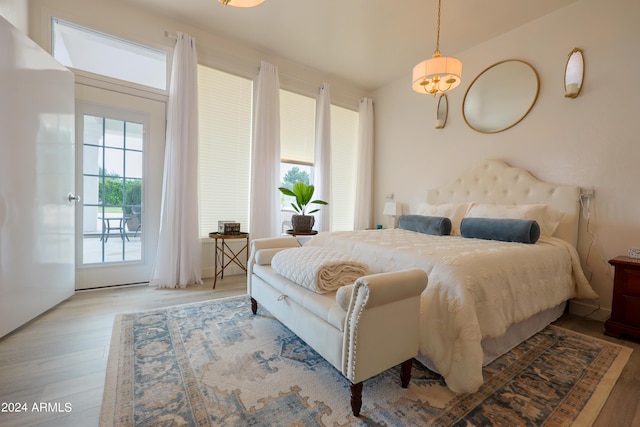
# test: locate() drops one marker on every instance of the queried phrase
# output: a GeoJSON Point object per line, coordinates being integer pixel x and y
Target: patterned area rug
{"type": "Point", "coordinates": [215, 364]}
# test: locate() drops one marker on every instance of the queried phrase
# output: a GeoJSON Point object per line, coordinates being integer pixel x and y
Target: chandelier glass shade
{"type": "Point", "coordinates": [241, 3]}
{"type": "Point", "coordinates": [438, 74]}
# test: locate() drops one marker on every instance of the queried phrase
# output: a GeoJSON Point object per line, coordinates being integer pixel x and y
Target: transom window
{"type": "Point", "coordinates": [89, 50]}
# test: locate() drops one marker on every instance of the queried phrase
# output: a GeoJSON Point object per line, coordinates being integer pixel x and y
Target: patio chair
{"type": "Point", "coordinates": [133, 222]}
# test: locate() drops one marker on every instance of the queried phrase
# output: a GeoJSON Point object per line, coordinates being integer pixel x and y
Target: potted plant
{"type": "Point", "coordinates": [302, 221]}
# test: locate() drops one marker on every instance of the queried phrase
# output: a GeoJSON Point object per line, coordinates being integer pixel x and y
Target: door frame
{"type": "Point", "coordinates": [152, 112]}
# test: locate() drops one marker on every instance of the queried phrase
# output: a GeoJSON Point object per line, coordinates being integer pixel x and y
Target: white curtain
{"type": "Point", "coordinates": [178, 259]}
{"type": "Point", "coordinates": [322, 159]}
{"type": "Point", "coordinates": [264, 219]}
{"type": "Point", "coordinates": [363, 217]}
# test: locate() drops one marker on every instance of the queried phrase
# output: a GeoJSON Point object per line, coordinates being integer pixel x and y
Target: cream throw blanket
{"type": "Point", "coordinates": [320, 270]}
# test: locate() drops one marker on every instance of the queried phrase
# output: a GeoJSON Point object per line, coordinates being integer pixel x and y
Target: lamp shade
{"type": "Point", "coordinates": [391, 208]}
{"type": "Point", "coordinates": [241, 3]}
{"type": "Point", "coordinates": [447, 68]}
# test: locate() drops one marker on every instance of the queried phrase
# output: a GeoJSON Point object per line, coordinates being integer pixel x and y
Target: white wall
{"type": "Point", "coordinates": [590, 141]}
{"type": "Point", "coordinates": [16, 12]}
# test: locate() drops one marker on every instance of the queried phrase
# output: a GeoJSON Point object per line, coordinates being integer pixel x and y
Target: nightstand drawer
{"type": "Point", "coordinates": [631, 282]}
{"type": "Point", "coordinates": [631, 312]}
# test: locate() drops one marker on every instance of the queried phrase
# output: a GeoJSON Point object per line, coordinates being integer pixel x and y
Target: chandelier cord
{"type": "Point", "coordinates": [438, 33]}
{"type": "Point", "coordinates": [437, 74]}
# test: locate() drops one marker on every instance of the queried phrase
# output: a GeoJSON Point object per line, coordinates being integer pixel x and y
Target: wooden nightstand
{"type": "Point", "coordinates": [625, 307]}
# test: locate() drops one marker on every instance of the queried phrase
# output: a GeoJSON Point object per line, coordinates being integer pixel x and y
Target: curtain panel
{"type": "Point", "coordinates": [322, 161]}
{"type": "Point", "coordinates": [363, 217]}
{"type": "Point", "coordinates": [264, 212]}
{"type": "Point", "coordinates": [178, 259]}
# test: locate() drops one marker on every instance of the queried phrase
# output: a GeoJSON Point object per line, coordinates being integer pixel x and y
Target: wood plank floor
{"type": "Point", "coordinates": [60, 357]}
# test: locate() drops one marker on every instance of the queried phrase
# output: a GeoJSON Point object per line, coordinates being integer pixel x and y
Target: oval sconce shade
{"type": "Point", "coordinates": [442, 111]}
{"type": "Point", "coordinates": [574, 74]}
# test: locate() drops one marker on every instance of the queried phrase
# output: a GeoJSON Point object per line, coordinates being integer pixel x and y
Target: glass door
{"type": "Point", "coordinates": [120, 140]}
{"type": "Point", "coordinates": [113, 185]}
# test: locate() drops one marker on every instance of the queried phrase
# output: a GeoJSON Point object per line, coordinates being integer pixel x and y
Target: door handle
{"type": "Point", "coordinates": [71, 198]}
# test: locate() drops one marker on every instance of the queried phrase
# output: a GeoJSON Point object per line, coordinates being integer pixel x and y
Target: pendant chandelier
{"type": "Point", "coordinates": [241, 3]}
{"type": "Point", "coordinates": [438, 74]}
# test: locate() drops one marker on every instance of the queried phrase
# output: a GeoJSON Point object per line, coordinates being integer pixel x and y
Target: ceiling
{"type": "Point", "coordinates": [366, 42]}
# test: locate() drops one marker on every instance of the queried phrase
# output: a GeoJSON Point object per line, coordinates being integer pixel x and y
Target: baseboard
{"type": "Point", "coordinates": [207, 273]}
{"type": "Point", "coordinates": [102, 288]}
{"type": "Point", "coordinates": [590, 311]}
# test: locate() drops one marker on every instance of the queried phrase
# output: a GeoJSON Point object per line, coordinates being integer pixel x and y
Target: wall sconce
{"type": "Point", "coordinates": [391, 208]}
{"type": "Point", "coordinates": [574, 74]}
{"type": "Point", "coordinates": [442, 111]}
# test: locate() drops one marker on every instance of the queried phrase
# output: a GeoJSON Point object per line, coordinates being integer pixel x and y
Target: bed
{"type": "Point", "coordinates": [484, 296]}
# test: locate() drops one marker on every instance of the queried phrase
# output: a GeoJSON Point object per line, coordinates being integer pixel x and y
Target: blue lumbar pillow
{"type": "Point", "coordinates": [436, 225]}
{"type": "Point", "coordinates": [503, 229]}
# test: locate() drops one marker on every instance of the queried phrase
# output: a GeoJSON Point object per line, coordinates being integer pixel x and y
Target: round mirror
{"type": "Point", "coordinates": [573, 74]}
{"type": "Point", "coordinates": [442, 111]}
{"type": "Point", "coordinates": [501, 96]}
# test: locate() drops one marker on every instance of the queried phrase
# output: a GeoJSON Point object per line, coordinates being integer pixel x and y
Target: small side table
{"type": "Point", "coordinates": [223, 249]}
{"type": "Point", "coordinates": [301, 233]}
{"type": "Point", "coordinates": [625, 306]}
{"type": "Point", "coordinates": [107, 227]}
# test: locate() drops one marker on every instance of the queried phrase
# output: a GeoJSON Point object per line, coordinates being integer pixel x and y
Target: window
{"type": "Point", "coordinates": [297, 135]}
{"type": "Point", "coordinates": [85, 49]}
{"type": "Point", "coordinates": [225, 122]}
{"type": "Point", "coordinates": [224, 117]}
{"type": "Point", "coordinates": [344, 138]}
{"type": "Point", "coordinates": [112, 190]}
{"type": "Point", "coordinates": [297, 129]}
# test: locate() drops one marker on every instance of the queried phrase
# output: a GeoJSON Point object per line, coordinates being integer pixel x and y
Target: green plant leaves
{"type": "Point", "coordinates": [303, 194]}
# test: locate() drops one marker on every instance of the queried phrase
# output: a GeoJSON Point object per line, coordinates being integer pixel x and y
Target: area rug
{"type": "Point", "coordinates": [215, 364]}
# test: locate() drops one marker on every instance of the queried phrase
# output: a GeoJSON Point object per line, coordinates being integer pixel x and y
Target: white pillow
{"type": "Point", "coordinates": [547, 217]}
{"type": "Point", "coordinates": [264, 256]}
{"type": "Point", "coordinates": [454, 211]}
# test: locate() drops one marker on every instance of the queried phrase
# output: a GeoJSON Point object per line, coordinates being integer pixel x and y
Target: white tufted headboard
{"type": "Point", "coordinates": [494, 181]}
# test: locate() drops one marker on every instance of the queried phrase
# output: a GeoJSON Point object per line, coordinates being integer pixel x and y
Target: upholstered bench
{"type": "Point", "coordinates": [362, 329]}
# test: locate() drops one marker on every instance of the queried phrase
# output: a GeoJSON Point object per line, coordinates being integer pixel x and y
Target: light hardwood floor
{"type": "Point", "coordinates": [60, 357]}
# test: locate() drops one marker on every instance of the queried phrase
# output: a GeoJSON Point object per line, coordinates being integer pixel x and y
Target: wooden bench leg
{"type": "Point", "coordinates": [356, 389]}
{"type": "Point", "coordinates": [356, 398]}
{"type": "Point", "coordinates": [405, 372]}
{"type": "Point", "coordinates": [254, 306]}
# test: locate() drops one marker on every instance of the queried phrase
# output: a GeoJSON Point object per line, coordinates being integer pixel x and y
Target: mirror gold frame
{"type": "Point", "coordinates": [574, 73]}
{"type": "Point", "coordinates": [442, 111]}
{"type": "Point", "coordinates": [501, 96]}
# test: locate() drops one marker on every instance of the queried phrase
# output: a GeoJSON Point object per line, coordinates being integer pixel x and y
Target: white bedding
{"type": "Point", "coordinates": [477, 288]}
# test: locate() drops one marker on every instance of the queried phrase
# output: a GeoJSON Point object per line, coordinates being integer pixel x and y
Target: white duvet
{"type": "Point", "coordinates": [476, 289]}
